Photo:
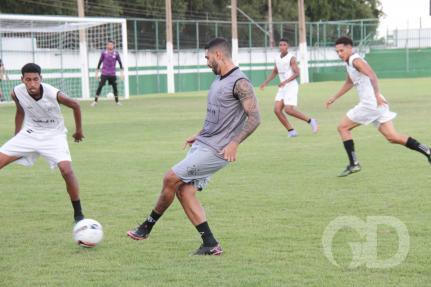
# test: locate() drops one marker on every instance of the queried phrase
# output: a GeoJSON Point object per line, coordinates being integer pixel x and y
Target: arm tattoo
{"type": "Point", "coordinates": [245, 93]}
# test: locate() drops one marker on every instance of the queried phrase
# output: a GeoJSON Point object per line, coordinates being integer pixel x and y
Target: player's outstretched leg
{"type": "Point", "coordinates": [166, 197]}
{"type": "Point", "coordinates": [292, 111]}
{"type": "Point", "coordinates": [6, 159]}
{"type": "Point", "coordinates": [344, 129]}
{"type": "Point", "coordinates": [388, 131]}
{"type": "Point", "coordinates": [72, 187]}
{"type": "Point", "coordinates": [186, 194]}
{"type": "Point", "coordinates": [278, 110]}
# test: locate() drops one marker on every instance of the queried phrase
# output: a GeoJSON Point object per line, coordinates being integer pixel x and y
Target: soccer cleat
{"type": "Point", "coordinates": [93, 104]}
{"type": "Point", "coordinates": [314, 126]}
{"type": "Point", "coordinates": [350, 169]}
{"type": "Point", "coordinates": [204, 250]}
{"type": "Point", "coordinates": [141, 232]}
{"type": "Point", "coordinates": [119, 104]}
{"type": "Point", "coordinates": [78, 218]}
{"type": "Point", "coordinates": [292, 134]}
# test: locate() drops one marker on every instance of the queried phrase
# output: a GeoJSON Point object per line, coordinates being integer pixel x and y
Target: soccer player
{"type": "Point", "coordinates": [109, 59]}
{"type": "Point", "coordinates": [3, 75]}
{"type": "Point", "coordinates": [372, 107]}
{"type": "Point", "coordinates": [287, 95]}
{"type": "Point", "coordinates": [40, 130]}
{"type": "Point", "coordinates": [232, 115]}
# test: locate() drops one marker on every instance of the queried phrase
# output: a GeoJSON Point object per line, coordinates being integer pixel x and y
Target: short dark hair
{"type": "Point", "coordinates": [111, 41]}
{"type": "Point", "coordinates": [31, 68]}
{"type": "Point", "coordinates": [344, 40]}
{"type": "Point", "coordinates": [220, 43]}
{"type": "Point", "coordinates": [284, 40]}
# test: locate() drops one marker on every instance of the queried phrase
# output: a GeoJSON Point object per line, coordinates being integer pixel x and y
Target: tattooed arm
{"type": "Point", "coordinates": [245, 92]}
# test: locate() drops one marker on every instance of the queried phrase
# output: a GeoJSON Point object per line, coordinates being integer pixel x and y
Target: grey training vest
{"type": "Point", "coordinates": [225, 114]}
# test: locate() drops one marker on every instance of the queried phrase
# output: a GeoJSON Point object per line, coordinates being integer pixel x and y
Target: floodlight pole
{"type": "Point", "coordinates": [303, 54]}
{"type": "Point", "coordinates": [85, 81]}
{"type": "Point", "coordinates": [169, 49]}
{"type": "Point", "coordinates": [234, 7]}
{"type": "Point", "coordinates": [271, 28]}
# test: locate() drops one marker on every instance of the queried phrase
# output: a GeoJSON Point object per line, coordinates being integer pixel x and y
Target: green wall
{"type": "Point", "coordinates": [388, 63]}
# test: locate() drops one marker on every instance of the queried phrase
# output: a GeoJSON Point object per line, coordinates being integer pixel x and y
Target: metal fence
{"type": "Point", "coordinates": [149, 34]}
{"type": "Point", "coordinates": [399, 53]}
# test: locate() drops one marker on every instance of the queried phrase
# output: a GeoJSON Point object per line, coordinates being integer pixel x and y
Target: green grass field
{"type": "Point", "coordinates": [269, 209]}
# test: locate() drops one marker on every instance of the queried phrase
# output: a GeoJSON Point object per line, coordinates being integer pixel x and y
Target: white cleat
{"type": "Point", "coordinates": [292, 134]}
{"type": "Point", "coordinates": [314, 126]}
{"type": "Point", "coordinates": [93, 104]}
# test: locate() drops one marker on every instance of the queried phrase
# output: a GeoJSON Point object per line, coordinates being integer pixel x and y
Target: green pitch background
{"type": "Point", "coordinates": [269, 209]}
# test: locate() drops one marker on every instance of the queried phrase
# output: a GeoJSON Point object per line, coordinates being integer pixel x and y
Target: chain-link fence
{"type": "Point", "coordinates": [399, 53]}
{"type": "Point", "coordinates": [147, 44]}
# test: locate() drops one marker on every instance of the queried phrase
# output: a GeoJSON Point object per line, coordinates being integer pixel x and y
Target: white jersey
{"type": "Point", "coordinates": [362, 83]}
{"type": "Point", "coordinates": [285, 71]}
{"type": "Point", "coordinates": [43, 115]}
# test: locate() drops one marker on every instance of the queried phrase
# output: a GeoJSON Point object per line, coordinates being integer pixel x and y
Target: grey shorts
{"type": "Point", "coordinates": [199, 165]}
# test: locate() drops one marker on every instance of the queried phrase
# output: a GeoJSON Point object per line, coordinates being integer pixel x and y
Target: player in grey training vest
{"type": "Point", "coordinates": [232, 115]}
{"type": "Point", "coordinates": [40, 130]}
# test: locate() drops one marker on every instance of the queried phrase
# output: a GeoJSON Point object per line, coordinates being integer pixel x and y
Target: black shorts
{"type": "Point", "coordinates": [112, 80]}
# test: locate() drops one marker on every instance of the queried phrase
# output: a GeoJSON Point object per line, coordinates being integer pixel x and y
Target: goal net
{"type": "Point", "coordinates": [67, 49]}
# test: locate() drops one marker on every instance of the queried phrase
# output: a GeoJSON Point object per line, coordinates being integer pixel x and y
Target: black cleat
{"type": "Point", "coordinates": [78, 218]}
{"type": "Point", "coordinates": [429, 155]}
{"type": "Point", "coordinates": [350, 169]}
{"type": "Point", "coordinates": [141, 232]}
{"type": "Point", "coordinates": [205, 250]}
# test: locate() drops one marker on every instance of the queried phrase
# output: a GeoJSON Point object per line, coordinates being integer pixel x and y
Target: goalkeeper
{"type": "Point", "coordinates": [108, 58]}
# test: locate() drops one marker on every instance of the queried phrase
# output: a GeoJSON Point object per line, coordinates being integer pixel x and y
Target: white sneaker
{"type": "Point", "coordinates": [119, 104]}
{"type": "Point", "coordinates": [314, 126]}
{"type": "Point", "coordinates": [93, 104]}
{"type": "Point", "coordinates": [292, 134]}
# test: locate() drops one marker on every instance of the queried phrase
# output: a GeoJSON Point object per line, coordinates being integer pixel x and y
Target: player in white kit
{"type": "Point", "coordinates": [372, 107]}
{"type": "Point", "coordinates": [40, 130]}
{"type": "Point", "coordinates": [287, 95]}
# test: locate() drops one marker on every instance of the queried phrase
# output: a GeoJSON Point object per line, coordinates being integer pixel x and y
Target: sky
{"type": "Point", "coordinates": [403, 14]}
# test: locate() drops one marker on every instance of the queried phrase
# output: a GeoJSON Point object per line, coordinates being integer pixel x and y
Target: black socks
{"type": "Point", "coordinates": [417, 146]}
{"type": "Point", "coordinates": [350, 149]}
{"type": "Point", "coordinates": [77, 210]}
{"type": "Point", "coordinates": [151, 220]}
{"type": "Point", "coordinates": [206, 234]}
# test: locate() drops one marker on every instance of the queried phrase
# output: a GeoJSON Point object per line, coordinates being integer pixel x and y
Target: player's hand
{"type": "Point", "coordinates": [262, 87]}
{"type": "Point", "coordinates": [78, 136]}
{"type": "Point", "coordinates": [97, 74]}
{"type": "Point", "coordinates": [122, 75]}
{"type": "Point", "coordinates": [282, 84]}
{"type": "Point", "coordinates": [229, 152]}
{"type": "Point", "coordinates": [190, 141]}
{"type": "Point", "coordinates": [329, 102]}
{"type": "Point", "coordinates": [380, 101]}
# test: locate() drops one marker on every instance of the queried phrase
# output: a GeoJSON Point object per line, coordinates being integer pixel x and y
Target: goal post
{"type": "Point", "coordinates": [68, 62]}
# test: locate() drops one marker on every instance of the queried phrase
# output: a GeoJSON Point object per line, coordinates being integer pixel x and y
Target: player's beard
{"type": "Point", "coordinates": [214, 67]}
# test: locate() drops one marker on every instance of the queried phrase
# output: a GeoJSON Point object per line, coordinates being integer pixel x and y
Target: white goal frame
{"type": "Point", "coordinates": [83, 48]}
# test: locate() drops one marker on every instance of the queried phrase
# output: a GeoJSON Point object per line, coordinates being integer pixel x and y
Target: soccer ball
{"type": "Point", "coordinates": [109, 95]}
{"type": "Point", "coordinates": [88, 233]}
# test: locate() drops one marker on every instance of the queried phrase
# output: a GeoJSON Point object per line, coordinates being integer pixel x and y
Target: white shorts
{"type": "Point", "coordinates": [288, 94]}
{"type": "Point", "coordinates": [365, 115]}
{"type": "Point", "coordinates": [29, 146]}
